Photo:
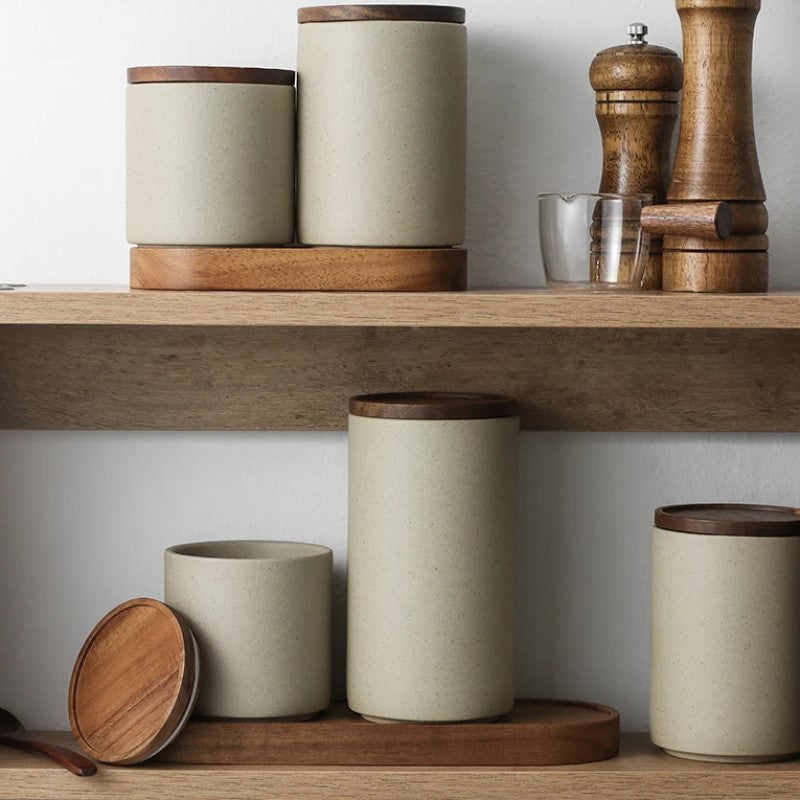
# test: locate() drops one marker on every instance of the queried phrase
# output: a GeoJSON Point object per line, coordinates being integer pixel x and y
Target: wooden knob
{"type": "Point", "coordinates": [701, 220]}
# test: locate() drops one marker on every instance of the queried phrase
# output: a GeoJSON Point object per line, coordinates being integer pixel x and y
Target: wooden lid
{"type": "Point", "coordinates": [433, 405]}
{"type": "Point", "coordinates": [637, 67]}
{"type": "Point", "coordinates": [134, 683]}
{"type": "Point", "coordinates": [728, 519]}
{"type": "Point", "coordinates": [176, 74]}
{"type": "Point", "coordinates": [391, 13]}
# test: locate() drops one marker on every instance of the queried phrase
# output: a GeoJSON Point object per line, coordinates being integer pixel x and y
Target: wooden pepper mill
{"type": "Point", "coordinates": [637, 86]}
{"type": "Point", "coordinates": [716, 224]}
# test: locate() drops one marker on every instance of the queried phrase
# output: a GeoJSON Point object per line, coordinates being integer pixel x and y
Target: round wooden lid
{"type": "Point", "coordinates": [181, 74]}
{"type": "Point", "coordinates": [433, 405]}
{"type": "Point", "coordinates": [637, 67]}
{"type": "Point", "coordinates": [134, 683]}
{"type": "Point", "coordinates": [729, 519]}
{"type": "Point", "coordinates": [392, 13]}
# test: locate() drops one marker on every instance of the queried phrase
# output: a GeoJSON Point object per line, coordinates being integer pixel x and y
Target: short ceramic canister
{"type": "Point", "coordinates": [382, 98]}
{"type": "Point", "coordinates": [260, 611]}
{"type": "Point", "coordinates": [725, 658]}
{"type": "Point", "coordinates": [431, 556]}
{"type": "Point", "coordinates": [210, 156]}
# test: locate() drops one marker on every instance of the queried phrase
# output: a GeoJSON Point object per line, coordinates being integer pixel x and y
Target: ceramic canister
{"type": "Point", "coordinates": [382, 94]}
{"type": "Point", "coordinates": [431, 556]}
{"type": "Point", "coordinates": [261, 614]}
{"type": "Point", "coordinates": [210, 156]}
{"type": "Point", "coordinates": [725, 658]}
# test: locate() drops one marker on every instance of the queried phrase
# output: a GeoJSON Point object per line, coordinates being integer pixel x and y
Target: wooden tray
{"type": "Point", "coordinates": [299, 269]}
{"type": "Point", "coordinates": [536, 733]}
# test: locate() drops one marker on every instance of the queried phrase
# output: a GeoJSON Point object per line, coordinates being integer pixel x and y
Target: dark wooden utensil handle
{"type": "Point", "coordinates": [703, 220]}
{"type": "Point", "coordinates": [69, 759]}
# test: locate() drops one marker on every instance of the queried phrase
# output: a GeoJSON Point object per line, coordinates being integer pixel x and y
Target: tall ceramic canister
{"type": "Point", "coordinates": [210, 156]}
{"type": "Point", "coordinates": [382, 108]}
{"type": "Point", "coordinates": [725, 659]}
{"type": "Point", "coordinates": [431, 556]}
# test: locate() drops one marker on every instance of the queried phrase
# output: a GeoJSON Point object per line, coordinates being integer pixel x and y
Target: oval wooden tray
{"type": "Point", "coordinates": [536, 733]}
{"type": "Point", "coordinates": [299, 269]}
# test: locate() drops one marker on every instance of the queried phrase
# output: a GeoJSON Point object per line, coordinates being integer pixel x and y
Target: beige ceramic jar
{"type": "Point", "coordinates": [261, 614]}
{"type": "Point", "coordinates": [210, 156]}
{"type": "Point", "coordinates": [431, 556]}
{"type": "Point", "coordinates": [725, 659]}
{"type": "Point", "coordinates": [382, 98]}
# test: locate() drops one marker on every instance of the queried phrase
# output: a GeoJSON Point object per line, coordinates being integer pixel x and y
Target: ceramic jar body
{"type": "Point", "coordinates": [261, 614]}
{"type": "Point", "coordinates": [431, 574]}
{"type": "Point", "coordinates": [210, 164]}
{"type": "Point", "coordinates": [725, 656]}
{"type": "Point", "coordinates": [382, 133]}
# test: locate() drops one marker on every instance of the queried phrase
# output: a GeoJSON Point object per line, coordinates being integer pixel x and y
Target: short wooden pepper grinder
{"type": "Point", "coordinates": [637, 87]}
{"type": "Point", "coordinates": [716, 222]}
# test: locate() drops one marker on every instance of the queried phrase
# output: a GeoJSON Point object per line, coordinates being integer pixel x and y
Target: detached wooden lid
{"type": "Point", "coordinates": [134, 683]}
{"type": "Point", "coordinates": [637, 66]}
{"type": "Point", "coordinates": [433, 405]}
{"type": "Point", "coordinates": [728, 519]}
{"type": "Point", "coordinates": [180, 74]}
{"type": "Point", "coordinates": [391, 13]}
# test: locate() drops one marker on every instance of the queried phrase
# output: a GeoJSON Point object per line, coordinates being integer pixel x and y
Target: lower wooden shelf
{"type": "Point", "coordinates": [640, 772]}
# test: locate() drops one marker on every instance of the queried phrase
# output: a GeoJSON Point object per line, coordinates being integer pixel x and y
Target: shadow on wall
{"type": "Point", "coordinates": [516, 149]}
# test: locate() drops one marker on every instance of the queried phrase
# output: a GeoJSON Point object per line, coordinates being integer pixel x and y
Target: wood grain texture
{"type": "Point", "coordinates": [729, 519]}
{"type": "Point", "coordinates": [285, 378]}
{"type": "Point", "coordinates": [700, 220]}
{"type": "Point", "coordinates": [292, 269]}
{"type": "Point", "coordinates": [133, 683]}
{"type": "Point", "coordinates": [189, 74]}
{"type": "Point", "coordinates": [432, 405]}
{"type": "Point", "coordinates": [641, 772]}
{"type": "Point", "coordinates": [749, 218]}
{"type": "Point", "coordinates": [73, 762]}
{"type": "Point", "coordinates": [749, 243]}
{"type": "Point", "coordinates": [535, 733]}
{"type": "Point", "coordinates": [401, 13]}
{"type": "Point", "coordinates": [525, 309]}
{"type": "Point", "coordinates": [720, 272]}
{"type": "Point", "coordinates": [717, 157]}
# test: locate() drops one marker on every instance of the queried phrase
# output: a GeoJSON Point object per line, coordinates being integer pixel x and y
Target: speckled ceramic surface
{"type": "Point", "coordinates": [382, 133]}
{"type": "Point", "coordinates": [210, 164]}
{"type": "Point", "coordinates": [431, 572]}
{"type": "Point", "coordinates": [725, 658]}
{"type": "Point", "coordinates": [261, 614]}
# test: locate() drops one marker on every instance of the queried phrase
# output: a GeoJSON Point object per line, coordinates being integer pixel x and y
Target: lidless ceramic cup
{"type": "Point", "coordinates": [431, 556]}
{"type": "Point", "coordinates": [382, 111]}
{"type": "Point", "coordinates": [210, 156]}
{"type": "Point", "coordinates": [725, 659]}
{"type": "Point", "coordinates": [260, 611]}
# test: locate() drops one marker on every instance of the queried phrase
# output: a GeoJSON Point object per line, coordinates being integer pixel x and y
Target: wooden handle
{"type": "Point", "coordinates": [701, 220]}
{"type": "Point", "coordinates": [74, 762]}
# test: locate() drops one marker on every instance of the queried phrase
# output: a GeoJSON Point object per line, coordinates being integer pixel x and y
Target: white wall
{"type": "Point", "coordinates": [84, 517]}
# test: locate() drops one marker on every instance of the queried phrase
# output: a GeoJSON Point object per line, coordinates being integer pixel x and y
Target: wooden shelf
{"type": "Point", "coordinates": [641, 772]}
{"type": "Point", "coordinates": [75, 358]}
{"type": "Point", "coordinates": [77, 305]}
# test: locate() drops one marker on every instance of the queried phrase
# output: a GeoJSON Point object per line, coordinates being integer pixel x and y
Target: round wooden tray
{"type": "Point", "coordinates": [535, 733]}
{"type": "Point", "coordinates": [299, 269]}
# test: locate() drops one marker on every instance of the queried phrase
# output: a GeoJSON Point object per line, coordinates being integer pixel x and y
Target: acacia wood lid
{"type": "Point", "coordinates": [642, 67]}
{"type": "Point", "coordinates": [433, 405]}
{"type": "Point", "coordinates": [730, 519]}
{"type": "Point", "coordinates": [134, 683]}
{"type": "Point", "coordinates": [391, 13]}
{"type": "Point", "coordinates": [186, 74]}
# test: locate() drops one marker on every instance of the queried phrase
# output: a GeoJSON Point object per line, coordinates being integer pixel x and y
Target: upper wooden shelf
{"type": "Point", "coordinates": [640, 771]}
{"type": "Point", "coordinates": [96, 305]}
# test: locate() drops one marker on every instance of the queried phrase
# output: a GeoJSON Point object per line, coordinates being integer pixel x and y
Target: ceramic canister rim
{"type": "Point", "coordinates": [433, 406]}
{"type": "Point", "coordinates": [379, 12]}
{"type": "Point", "coordinates": [729, 519]}
{"type": "Point", "coordinates": [208, 74]}
{"type": "Point", "coordinates": [303, 551]}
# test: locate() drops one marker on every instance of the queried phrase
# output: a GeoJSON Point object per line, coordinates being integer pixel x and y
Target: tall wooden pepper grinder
{"type": "Point", "coordinates": [716, 169]}
{"type": "Point", "coordinates": [637, 86]}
